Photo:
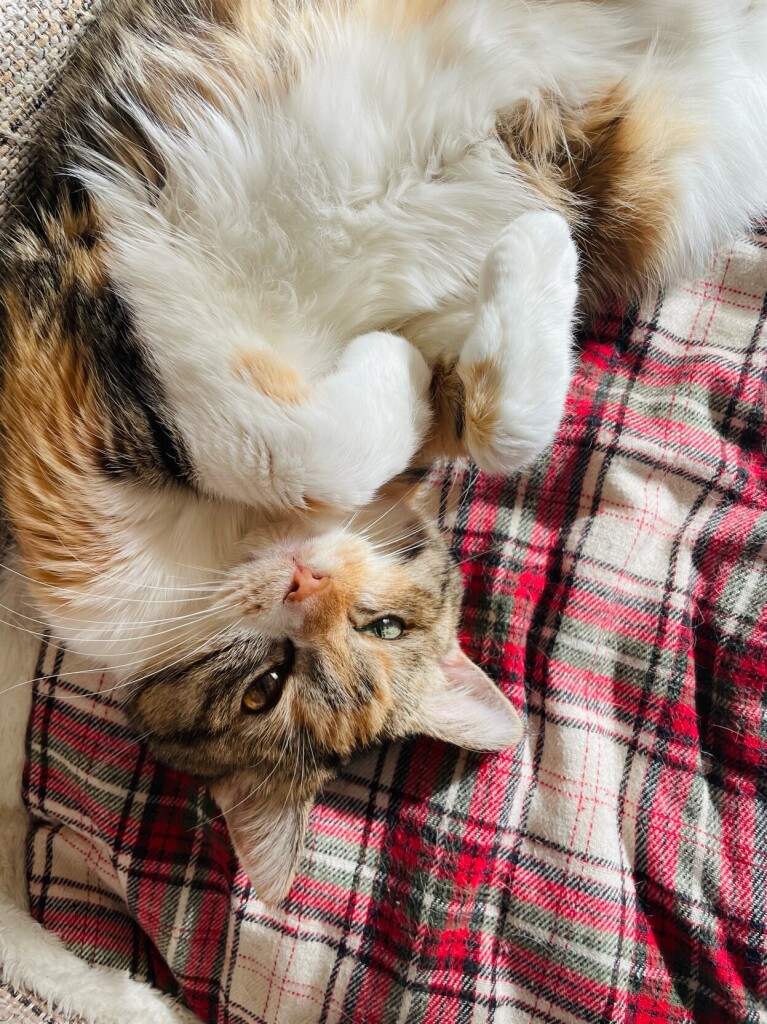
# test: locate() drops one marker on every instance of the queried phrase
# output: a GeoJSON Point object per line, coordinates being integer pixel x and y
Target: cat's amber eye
{"type": "Point", "coordinates": [264, 692]}
{"type": "Point", "coordinates": [387, 628]}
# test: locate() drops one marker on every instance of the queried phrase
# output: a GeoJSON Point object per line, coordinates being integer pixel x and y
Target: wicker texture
{"type": "Point", "coordinates": [35, 42]}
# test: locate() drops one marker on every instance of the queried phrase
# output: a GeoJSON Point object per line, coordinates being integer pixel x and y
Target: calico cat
{"type": "Point", "coordinates": [280, 253]}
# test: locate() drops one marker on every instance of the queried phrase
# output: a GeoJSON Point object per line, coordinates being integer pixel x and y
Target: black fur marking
{"type": "Point", "coordinates": [143, 436]}
{"type": "Point", "coordinates": [414, 547]}
{"type": "Point", "coordinates": [324, 688]}
{"type": "Point", "coordinates": [413, 476]}
{"type": "Point", "coordinates": [460, 418]}
{"type": "Point", "coordinates": [193, 736]}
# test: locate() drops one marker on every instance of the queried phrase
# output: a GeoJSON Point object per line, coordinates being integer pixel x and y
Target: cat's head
{"type": "Point", "coordinates": [329, 636]}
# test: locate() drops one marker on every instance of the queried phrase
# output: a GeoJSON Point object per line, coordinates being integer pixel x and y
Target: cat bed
{"type": "Point", "coordinates": [610, 868]}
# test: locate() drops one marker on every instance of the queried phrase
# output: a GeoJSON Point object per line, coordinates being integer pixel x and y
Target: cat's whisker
{"type": "Point", "coordinates": [390, 508]}
{"type": "Point", "coordinates": [98, 626]}
{"type": "Point", "coordinates": [382, 540]}
{"type": "Point", "coordinates": [92, 670]}
{"type": "Point", "coordinates": [219, 573]}
{"type": "Point", "coordinates": [410, 547]}
{"type": "Point", "coordinates": [23, 615]}
{"type": "Point", "coordinates": [388, 543]}
{"type": "Point", "coordinates": [100, 574]}
{"type": "Point", "coordinates": [483, 554]}
{"type": "Point", "coordinates": [106, 625]}
{"type": "Point", "coordinates": [383, 537]}
{"type": "Point", "coordinates": [222, 814]}
{"type": "Point", "coordinates": [291, 786]}
{"type": "Point", "coordinates": [198, 619]}
{"type": "Point", "coordinates": [44, 676]}
{"type": "Point", "coordinates": [93, 627]}
{"type": "Point", "coordinates": [57, 588]}
{"type": "Point", "coordinates": [42, 635]}
{"type": "Point", "coordinates": [166, 665]}
{"type": "Point", "coordinates": [262, 783]}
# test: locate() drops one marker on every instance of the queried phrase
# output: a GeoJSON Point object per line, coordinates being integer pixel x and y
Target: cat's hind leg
{"type": "Point", "coordinates": [516, 364]}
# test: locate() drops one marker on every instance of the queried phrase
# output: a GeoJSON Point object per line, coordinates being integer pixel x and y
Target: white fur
{"type": "Point", "coordinates": [468, 709]}
{"type": "Point", "coordinates": [527, 294]}
{"type": "Point", "coordinates": [267, 835]}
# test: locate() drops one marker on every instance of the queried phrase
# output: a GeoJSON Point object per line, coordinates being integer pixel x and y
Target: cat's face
{"type": "Point", "coordinates": [340, 636]}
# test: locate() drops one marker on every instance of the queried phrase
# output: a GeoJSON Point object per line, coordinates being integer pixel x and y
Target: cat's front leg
{"type": "Point", "coordinates": [516, 364]}
{"type": "Point", "coordinates": [363, 424]}
{"type": "Point", "coordinates": [334, 441]}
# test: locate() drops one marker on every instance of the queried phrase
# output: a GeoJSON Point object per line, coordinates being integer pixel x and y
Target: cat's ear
{"type": "Point", "coordinates": [468, 709]}
{"type": "Point", "coordinates": [267, 833]}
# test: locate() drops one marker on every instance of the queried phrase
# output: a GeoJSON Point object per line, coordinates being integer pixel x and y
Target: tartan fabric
{"type": "Point", "coordinates": [614, 867]}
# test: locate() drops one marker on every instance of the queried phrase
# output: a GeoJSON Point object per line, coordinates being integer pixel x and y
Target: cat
{"type": "Point", "coordinates": [278, 255]}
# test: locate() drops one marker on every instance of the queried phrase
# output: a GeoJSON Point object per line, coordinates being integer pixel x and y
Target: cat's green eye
{"type": "Point", "coordinates": [264, 692]}
{"type": "Point", "coordinates": [388, 628]}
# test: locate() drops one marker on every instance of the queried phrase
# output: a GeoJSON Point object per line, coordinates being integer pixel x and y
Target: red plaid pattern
{"type": "Point", "coordinates": [614, 867]}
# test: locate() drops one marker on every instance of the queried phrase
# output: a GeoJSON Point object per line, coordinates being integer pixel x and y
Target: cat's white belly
{"type": "Point", "coordinates": [371, 191]}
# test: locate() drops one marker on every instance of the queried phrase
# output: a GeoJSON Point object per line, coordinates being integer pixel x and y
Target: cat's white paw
{"type": "Point", "coordinates": [379, 402]}
{"type": "Point", "coordinates": [517, 362]}
{"type": "Point", "coordinates": [534, 252]}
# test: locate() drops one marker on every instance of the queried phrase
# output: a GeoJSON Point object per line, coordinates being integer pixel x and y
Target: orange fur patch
{"type": "Point", "coordinates": [355, 724]}
{"type": "Point", "coordinates": [448, 398]}
{"type": "Point", "coordinates": [50, 477]}
{"type": "Point", "coordinates": [271, 376]}
{"type": "Point", "coordinates": [402, 15]}
{"type": "Point", "coordinates": [465, 408]}
{"type": "Point", "coordinates": [609, 168]}
{"type": "Point", "coordinates": [483, 397]}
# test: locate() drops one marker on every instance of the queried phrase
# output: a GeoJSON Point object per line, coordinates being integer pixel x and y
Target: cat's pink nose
{"type": "Point", "coordinates": [306, 583]}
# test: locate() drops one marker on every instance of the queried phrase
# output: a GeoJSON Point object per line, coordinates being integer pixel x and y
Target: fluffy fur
{"type": "Point", "coordinates": [278, 254]}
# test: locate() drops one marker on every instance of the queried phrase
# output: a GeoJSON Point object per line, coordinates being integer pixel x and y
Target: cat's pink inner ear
{"type": "Point", "coordinates": [468, 709]}
{"type": "Point", "coordinates": [267, 834]}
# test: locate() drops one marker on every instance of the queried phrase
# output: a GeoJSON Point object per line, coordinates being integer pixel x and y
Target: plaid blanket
{"type": "Point", "coordinates": [614, 867]}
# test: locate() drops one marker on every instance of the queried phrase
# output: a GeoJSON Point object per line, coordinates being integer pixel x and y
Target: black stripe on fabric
{"type": "Point", "coordinates": [706, 1004]}
{"type": "Point", "coordinates": [653, 774]}
{"type": "Point", "coordinates": [379, 889]}
{"type": "Point", "coordinates": [366, 961]}
{"type": "Point", "coordinates": [48, 682]}
{"type": "Point", "coordinates": [538, 645]}
{"type": "Point", "coordinates": [46, 879]}
{"type": "Point", "coordinates": [460, 532]}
